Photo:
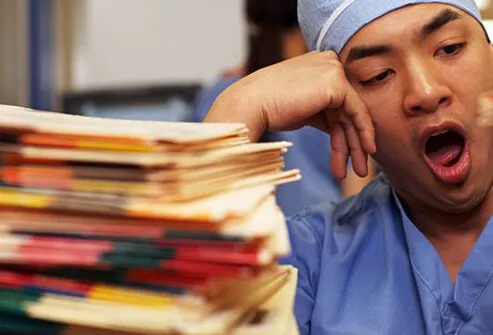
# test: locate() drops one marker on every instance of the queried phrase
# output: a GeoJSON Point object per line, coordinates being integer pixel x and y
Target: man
{"type": "Point", "coordinates": [397, 79]}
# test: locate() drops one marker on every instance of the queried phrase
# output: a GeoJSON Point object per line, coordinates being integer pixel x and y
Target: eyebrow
{"type": "Point", "coordinates": [367, 51]}
{"type": "Point", "coordinates": [441, 19]}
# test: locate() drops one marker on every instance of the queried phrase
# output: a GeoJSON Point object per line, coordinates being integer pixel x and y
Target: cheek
{"type": "Point", "coordinates": [393, 136]}
{"type": "Point", "coordinates": [481, 144]}
{"type": "Point", "coordinates": [473, 76]}
{"type": "Point", "coordinates": [387, 116]}
{"type": "Point", "coordinates": [391, 141]}
{"type": "Point", "coordinates": [467, 84]}
{"type": "Point", "coordinates": [393, 146]}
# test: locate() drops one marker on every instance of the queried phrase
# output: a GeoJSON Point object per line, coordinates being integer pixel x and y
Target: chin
{"type": "Point", "coordinates": [462, 197]}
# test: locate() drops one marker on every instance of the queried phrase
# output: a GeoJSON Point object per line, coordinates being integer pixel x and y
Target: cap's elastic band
{"type": "Point", "coordinates": [330, 21]}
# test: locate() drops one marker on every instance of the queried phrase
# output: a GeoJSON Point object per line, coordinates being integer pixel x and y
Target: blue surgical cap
{"type": "Point", "coordinates": [329, 24]}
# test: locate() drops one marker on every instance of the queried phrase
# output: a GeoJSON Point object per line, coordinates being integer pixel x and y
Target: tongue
{"type": "Point", "coordinates": [447, 155]}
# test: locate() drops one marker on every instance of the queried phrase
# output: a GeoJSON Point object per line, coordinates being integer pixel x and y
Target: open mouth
{"type": "Point", "coordinates": [447, 156]}
{"type": "Point", "coordinates": [445, 148]}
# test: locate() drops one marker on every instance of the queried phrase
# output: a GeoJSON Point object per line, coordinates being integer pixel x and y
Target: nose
{"type": "Point", "coordinates": [426, 91]}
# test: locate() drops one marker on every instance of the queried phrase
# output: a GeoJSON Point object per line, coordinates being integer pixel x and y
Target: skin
{"type": "Point", "coordinates": [294, 46]}
{"type": "Point", "coordinates": [429, 81]}
{"type": "Point", "coordinates": [386, 101]}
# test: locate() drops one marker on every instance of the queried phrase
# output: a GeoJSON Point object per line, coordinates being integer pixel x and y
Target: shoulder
{"type": "Point", "coordinates": [348, 212]}
{"type": "Point", "coordinates": [335, 225]}
{"type": "Point", "coordinates": [328, 234]}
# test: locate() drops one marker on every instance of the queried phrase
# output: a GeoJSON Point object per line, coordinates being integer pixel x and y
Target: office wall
{"type": "Point", "coordinates": [131, 42]}
{"type": "Point", "coordinates": [13, 52]}
{"type": "Point", "coordinates": [128, 42]}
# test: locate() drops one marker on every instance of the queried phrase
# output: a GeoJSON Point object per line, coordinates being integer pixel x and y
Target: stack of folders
{"type": "Point", "coordinates": [133, 227]}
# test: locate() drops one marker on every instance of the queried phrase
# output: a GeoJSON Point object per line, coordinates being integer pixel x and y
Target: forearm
{"type": "Point", "coordinates": [308, 90]}
{"type": "Point", "coordinates": [237, 104]}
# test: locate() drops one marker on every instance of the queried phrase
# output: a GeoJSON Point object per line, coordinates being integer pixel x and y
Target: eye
{"type": "Point", "coordinates": [450, 50]}
{"type": "Point", "coordinates": [377, 79]}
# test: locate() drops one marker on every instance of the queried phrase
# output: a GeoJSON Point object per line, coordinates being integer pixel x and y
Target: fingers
{"type": "Point", "coordinates": [485, 110]}
{"type": "Point", "coordinates": [356, 110]}
{"type": "Point", "coordinates": [345, 142]}
{"type": "Point", "coordinates": [340, 152]}
{"type": "Point", "coordinates": [353, 120]}
{"type": "Point", "coordinates": [359, 158]}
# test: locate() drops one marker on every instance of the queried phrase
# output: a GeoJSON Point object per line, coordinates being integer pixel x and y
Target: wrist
{"type": "Point", "coordinates": [240, 103]}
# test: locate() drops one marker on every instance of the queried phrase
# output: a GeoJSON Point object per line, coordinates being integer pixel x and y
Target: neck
{"type": "Point", "coordinates": [439, 224]}
{"type": "Point", "coordinates": [452, 234]}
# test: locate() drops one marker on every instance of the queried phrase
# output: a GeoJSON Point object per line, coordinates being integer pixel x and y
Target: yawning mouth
{"type": "Point", "coordinates": [447, 155]}
{"type": "Point", "coordinates": [445, 148]}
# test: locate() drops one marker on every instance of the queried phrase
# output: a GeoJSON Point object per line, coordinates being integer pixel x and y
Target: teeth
{"type": "Point", "coordinates": [439, 133]}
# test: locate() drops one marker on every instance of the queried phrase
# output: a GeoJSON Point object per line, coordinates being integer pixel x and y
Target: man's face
{"type": "Point", "coordinates": [420, 70]}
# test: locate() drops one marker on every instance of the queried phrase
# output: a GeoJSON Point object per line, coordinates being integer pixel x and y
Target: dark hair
{"type": "Point", "coordinates": [268, 20]}
{"type": "Point", "coordinates": [278, 12]}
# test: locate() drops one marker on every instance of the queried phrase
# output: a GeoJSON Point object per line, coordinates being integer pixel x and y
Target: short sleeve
{"type": "Point", "coordinates": [306, 235]}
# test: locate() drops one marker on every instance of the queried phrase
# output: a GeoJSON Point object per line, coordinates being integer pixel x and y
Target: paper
{"type": "Point", "coordinates": [132, 227]}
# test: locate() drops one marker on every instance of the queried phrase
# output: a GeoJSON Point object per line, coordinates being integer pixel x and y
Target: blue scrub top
{"type": "Point", "coordinates": [364, 269]}
{"type": "Point", "coordinates": [310, 154]}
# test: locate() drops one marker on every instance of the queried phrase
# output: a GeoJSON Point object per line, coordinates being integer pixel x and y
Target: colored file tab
{"type": "Point", "coordinates": [117, 227]}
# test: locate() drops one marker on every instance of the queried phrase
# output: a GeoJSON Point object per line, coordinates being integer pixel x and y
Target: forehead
{"type": "Point", "coordinates": [401, 25]}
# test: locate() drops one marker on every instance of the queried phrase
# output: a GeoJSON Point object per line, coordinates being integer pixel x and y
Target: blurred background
{"type": "Point", "coordinates": [131, 58]}
{"type": "Point", "coordinates": [144, 59]}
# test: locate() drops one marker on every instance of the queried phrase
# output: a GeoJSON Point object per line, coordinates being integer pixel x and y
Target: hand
{"type": "Point", "coordinates": [308, 90]}
{"type": "Point", "coordinates": [485, 109]}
